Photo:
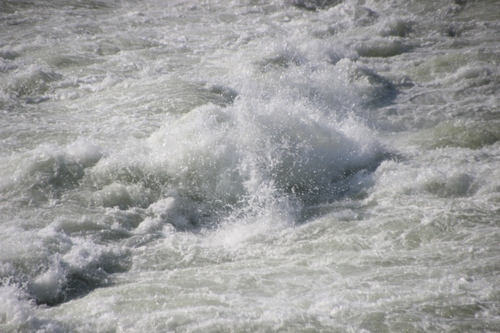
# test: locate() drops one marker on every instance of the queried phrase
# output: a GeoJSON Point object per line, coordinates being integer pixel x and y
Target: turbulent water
{"type": "Point", "coordinates": [249, 166]}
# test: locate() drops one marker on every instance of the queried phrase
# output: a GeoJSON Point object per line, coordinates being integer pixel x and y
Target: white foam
{"type": "Point", "coordinates": [159, 175]}
{"type": "Point", "coordinates": [47, 287]}
{"type": "Point", "coordinates": [14, 311]}
{"type": "Point", "coordinates": [86, 152]}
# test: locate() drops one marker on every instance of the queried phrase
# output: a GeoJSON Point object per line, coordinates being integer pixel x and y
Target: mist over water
{"type": "Point", "coordinates": [249, 166]}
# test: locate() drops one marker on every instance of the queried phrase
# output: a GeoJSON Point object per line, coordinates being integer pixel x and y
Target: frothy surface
{"type": "Point", "coordinates": [298, 166]}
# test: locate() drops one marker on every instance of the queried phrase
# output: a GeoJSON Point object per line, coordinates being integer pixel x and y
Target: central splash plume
{"type": "Point", "coordinates": [215, 162]}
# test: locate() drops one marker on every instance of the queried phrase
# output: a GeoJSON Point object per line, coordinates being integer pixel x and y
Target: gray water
{"type": "Point", "coordinates": [249, 166]}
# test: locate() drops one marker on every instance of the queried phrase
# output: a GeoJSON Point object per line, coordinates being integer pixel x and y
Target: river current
{"type": "Point", "coordinates": [249, 166]}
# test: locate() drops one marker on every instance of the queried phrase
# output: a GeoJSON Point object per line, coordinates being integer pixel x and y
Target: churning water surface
{"type": "Point", "coordinates": [249, 166]}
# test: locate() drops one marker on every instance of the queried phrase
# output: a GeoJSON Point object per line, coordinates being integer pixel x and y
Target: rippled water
{"type": "Point", "coordinates": [249, 166]}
